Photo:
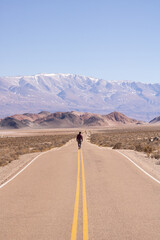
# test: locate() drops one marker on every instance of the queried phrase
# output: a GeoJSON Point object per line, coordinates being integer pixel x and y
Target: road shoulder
{"type": "Point", "coordinates": [147, 163]}
{"type": "Point", "coordinates": [9, 170]}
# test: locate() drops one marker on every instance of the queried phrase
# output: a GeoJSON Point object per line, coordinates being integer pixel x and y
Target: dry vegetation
{"type": "Point", "coordinates": [12, 147]}
{"type": "Point", "coordinates": [138, 139]}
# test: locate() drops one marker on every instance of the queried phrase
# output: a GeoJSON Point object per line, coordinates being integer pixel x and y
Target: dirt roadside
{"type": "Point", "coordinates": [9, 170]}
{"type": "Point", "coordinates": [150, 165]}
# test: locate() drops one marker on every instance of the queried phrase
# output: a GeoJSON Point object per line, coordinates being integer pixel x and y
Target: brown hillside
{"type": "Point", "coordinates": [120, 118]}
{"type": "Point", "coordinates": [66, 119]}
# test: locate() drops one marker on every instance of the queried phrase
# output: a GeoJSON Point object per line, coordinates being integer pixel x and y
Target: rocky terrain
{"type": "Point", "coordinates": [68, 92]}
{"type": "Point", "coordinates": [64, 120]}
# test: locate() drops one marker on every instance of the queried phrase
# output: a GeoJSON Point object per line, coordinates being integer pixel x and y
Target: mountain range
{"type": "Point", "coordinates": [68, 92]}
{"type": "Point", "coordinates": [72, 119]}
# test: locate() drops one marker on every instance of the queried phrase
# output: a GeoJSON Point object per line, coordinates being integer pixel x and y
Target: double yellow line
{"type": "Point", "coordinates": [76, 206]}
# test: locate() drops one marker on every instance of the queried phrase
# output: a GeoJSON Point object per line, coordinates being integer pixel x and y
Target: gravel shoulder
{"type": "Point", "coordinates": [150, 165]}
{"type": "Point", "coordinates": [9, 170]}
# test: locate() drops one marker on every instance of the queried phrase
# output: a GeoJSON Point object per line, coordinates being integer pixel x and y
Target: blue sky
{"type": "Point", "coordinates": [109, 39]}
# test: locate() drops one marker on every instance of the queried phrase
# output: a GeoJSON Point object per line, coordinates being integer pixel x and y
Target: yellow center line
{"type": "Point", "coordinates": [76, 206]}
{"type": "Point", "coordinates": [75, 216]}
{"type": "Point", "coordinates": [85, 219]}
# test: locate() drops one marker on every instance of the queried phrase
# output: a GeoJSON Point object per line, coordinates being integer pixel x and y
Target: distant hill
{"type": "Point", "coordinates": [68, 92]}
{"type": "Point", "coordinates": [64, 120]}
{"type": "Point", "coordinates": [155, 120]}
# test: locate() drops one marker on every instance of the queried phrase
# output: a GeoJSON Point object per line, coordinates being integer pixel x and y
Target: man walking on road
{"type": "Point", "coordinates": [79, 139]}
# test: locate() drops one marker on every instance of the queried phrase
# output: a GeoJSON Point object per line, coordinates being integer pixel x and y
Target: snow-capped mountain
{"type": "Point", "coordinates": [68, 92]}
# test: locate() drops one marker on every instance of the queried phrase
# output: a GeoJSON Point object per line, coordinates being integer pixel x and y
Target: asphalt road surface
{"type": "Point", "coordinates": [71, 194]}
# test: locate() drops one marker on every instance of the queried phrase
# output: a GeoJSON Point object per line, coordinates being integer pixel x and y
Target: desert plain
{"type": "Point", "coordinates": [141, 143]}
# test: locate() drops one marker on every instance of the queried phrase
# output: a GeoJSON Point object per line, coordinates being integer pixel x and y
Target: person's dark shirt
{"type": "Point", "coordinates": [79, 137]}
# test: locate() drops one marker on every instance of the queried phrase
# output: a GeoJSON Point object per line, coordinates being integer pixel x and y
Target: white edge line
{"type": "Point", "coordinates": [1, 186]}
{"type": "Point", "coordinates": [139, 167]}
{"type": "Point", "coordinates": [53, 149]}
{"type": "Point", "coordinates": [134, 164]}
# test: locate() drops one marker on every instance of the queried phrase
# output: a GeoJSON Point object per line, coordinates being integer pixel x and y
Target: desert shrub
{"type": "Point", "coordinates": [117, 145]}
{"type": "Point", "coordinates": [135, 139]}
{"type": "Point", "coordinates": [156, 155]}
{"type": "Point", "coordinates": [12, 147]}
{"type": "Point", "coordinates": [139, 148]}
{"type": "Point", "coordinates": [148, 149]}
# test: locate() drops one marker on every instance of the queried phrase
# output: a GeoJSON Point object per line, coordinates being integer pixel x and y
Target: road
{"type": "Point", "coordinates": [93, 193]}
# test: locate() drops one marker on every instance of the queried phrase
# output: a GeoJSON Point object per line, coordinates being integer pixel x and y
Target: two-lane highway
{"type": "Point", "coordinates": [72, 194]}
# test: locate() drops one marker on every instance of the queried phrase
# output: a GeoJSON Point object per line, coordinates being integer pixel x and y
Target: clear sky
{"type": "Point", "coordinates": [109, 39]}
